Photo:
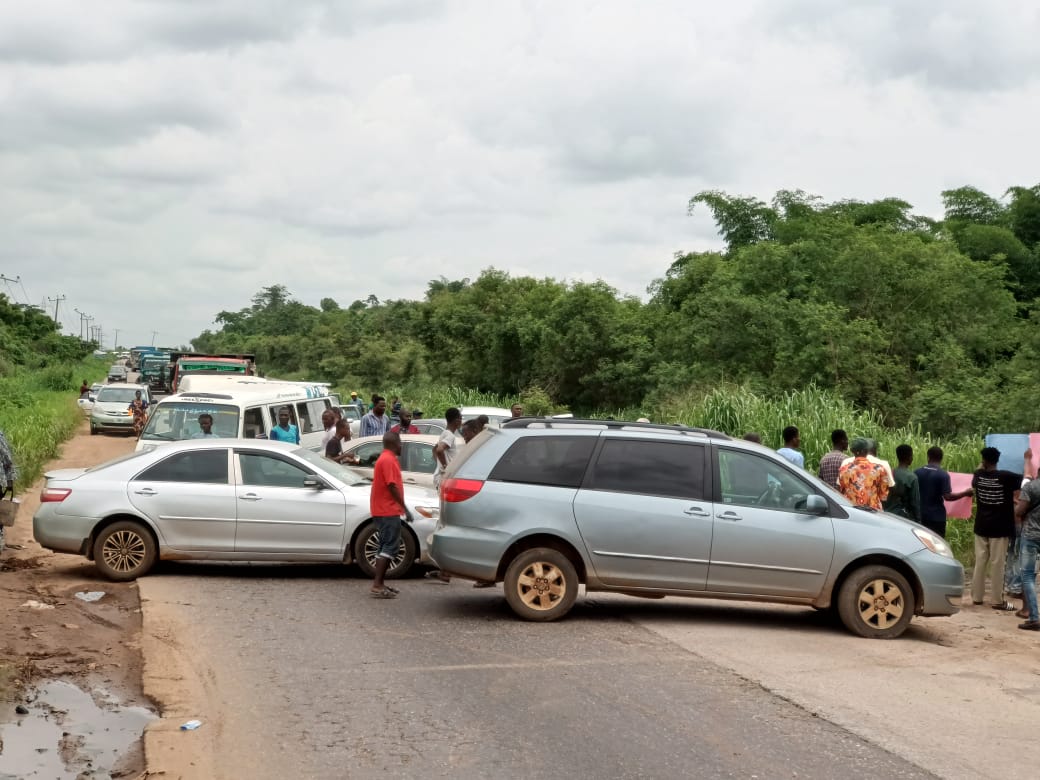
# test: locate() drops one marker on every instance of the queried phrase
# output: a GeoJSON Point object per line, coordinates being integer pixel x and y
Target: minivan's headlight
{"type": "Point", "coordinates": [933, 542]}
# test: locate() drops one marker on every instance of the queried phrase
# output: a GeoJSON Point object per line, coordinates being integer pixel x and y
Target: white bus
{"type": "Point", "coordinates": [247, 413]}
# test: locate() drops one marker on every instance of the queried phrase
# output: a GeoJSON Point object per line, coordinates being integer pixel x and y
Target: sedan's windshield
{"type": "Point", "coordinates": [344, 474]}
{"type": "Point", "coordinates": [180, 420]}
{"type": "Point", "coordinates": [121, 395]}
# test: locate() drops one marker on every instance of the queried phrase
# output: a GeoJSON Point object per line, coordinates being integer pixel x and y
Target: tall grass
{"type": "Point", "coordinates": [38, 412]}
{"type": "Point", "coordinates": [435, 399]}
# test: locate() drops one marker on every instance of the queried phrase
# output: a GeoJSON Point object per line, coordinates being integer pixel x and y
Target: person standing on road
{"type": "Point", "coordinates": [357, 403]}
{"type": "Point", "coordinates": [84, 389]}
{"type": "Point", "coordinates": [375, 423]}
{"type": "Point", "coordinates": [139, 409]}
{"type": "Point", "coordinates": [517, 410]}
{"type": "Point", "coordinates": [470, 429]}
{"type": "Point", "coordinates": [830, 464]}
{"type": "Point", "coordinates": [904, 499]}
{"type": "Point", "coordinates": [285, 430]}
{"type": "Point", "coordinates": [444, 450]}
{"type": "Point", "coordinates": [205, 427]}
{"type": "Point", "coordinates": [860, 481]}
{"type": "Point", "coordinates": [790, 451]}
{"type": "Point", "coordinates": [872, 449]}
{"type": "Point", "coordinates": [386, 503]}
{"type": "Point", "coordinates": [1013, 588]}
{"type": "Point", "coordinates": [334, 446]}
{"type": "Point", "coordinates": [1027, 512]}
{"type": "Point", "coordinates": [405, 422]}
{"type": "Point", "coordinates": [994, 524]}
{"type": "Point", "coordinates": [8, 476]}
{"type": "Point", "coordinates": [935, 488]}
{"type": "Point", "coordinates": [328, 422]}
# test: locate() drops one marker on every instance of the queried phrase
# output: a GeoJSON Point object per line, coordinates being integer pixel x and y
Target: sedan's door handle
{"type": "Point", "coordinates": [147, 492]}
{"type": "Point", "coordinates": [697, 511]}
{"type": "Point", "coordinates": [250, 497]}
{"type": "Point", "coordinates": [728, 515]}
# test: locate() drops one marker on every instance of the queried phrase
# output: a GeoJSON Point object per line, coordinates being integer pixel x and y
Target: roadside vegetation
{"type": "Point", "coordinates": [40, 372]}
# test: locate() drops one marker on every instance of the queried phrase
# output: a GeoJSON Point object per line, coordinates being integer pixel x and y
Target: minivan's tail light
{"type": "Point", "coordinates": [455, 490]}
{"type": "Point", "coordinates": [54, 495]}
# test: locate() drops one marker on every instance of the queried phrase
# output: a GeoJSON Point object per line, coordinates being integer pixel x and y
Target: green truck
{"type": "Point", "coordinates": [155, 371]}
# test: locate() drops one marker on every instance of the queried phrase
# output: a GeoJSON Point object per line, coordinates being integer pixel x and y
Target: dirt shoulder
{"type": "Point", "coordinates": [50, 633]}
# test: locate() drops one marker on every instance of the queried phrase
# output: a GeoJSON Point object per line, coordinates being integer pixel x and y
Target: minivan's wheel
{"type": "Point", "coordinates": [124, 551]}
{"type": "Point", "coordinates": [541, 584]}
{"type": "Point", "coordinates": [876, 602]}
{"type": "Point", "coordinates": [367, 546]}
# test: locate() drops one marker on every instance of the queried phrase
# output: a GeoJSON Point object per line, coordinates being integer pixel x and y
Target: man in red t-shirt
{"type": "Point", "coordinates": [387, 507]}
{"type": "Point", "coordinates": [405, 426]}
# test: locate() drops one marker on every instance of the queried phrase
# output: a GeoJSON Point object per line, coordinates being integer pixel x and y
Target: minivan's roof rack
{"type": "Point", "coordinates": [570, 422]}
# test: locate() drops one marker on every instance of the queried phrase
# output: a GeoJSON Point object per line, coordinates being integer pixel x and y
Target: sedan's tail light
{"type": "Point", "coordinates": [455, 490]}
{"type": "Point", "coordinates": [54, 495]}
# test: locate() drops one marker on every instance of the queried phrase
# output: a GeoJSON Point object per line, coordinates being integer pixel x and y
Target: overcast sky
{"type": "Point", "coordinates": [162, 160]}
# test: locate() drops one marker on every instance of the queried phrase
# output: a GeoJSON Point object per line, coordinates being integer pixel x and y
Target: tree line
{"type": "Point", "coordinates": [927, 322]}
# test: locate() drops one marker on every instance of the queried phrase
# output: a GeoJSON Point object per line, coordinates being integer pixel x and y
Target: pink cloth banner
{"type": "Point", "coordinates": [961, 508]}
{"type": "Point", "coordinates": [1034, 445]}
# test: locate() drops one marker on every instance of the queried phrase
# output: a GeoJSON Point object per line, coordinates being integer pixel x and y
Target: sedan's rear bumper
{"type": "Point", "coordinates": [62, 533]}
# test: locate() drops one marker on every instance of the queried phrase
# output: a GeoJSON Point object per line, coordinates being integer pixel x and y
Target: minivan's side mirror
{"type": "Point", "coordinates": [816, 505]}
{"type": "Point", "coordinates": [315, 483]}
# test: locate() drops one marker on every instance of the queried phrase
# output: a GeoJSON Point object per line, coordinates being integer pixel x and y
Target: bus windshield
{"type": "Point", "coordinates": [179, 420]}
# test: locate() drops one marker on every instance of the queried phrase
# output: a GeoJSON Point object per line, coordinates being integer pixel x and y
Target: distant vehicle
{"type": "Point", "coordinates": [117, 373]}
{"type": "Point", "coordinates": [350, 412]}
{"type": "Point", "coordinates": [185, 363]}
{"type": "Point", "coordinates": [123, 356]}
{"type": "Point", "coordinates": [111, 409]}
{"type": "Point", "coordinates": [249, 412]}
{"type": "Point", "coordinates": [86, 404]}
{"type": "Point", "coordinates": [137, 352]}
{"type": "Point", "coordinates": [417, 461]}
{"type": "Point", "coordinates": [100, 353]}
{"type": "Point", "coordinates": [220, 499]}
{"type": "Point", "coordinates": [155, 371]}
{"type": "Point", "coordinates": [496, 415]}
{"type": "Point", "coordinates": [546, 506]}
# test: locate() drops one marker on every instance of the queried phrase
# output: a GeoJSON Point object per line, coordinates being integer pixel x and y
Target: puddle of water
{"type": "Point", "coordinates": [34, 745]}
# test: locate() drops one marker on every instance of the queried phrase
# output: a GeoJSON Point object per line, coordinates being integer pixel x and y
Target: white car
{"type": "Point", "coordinates": [222, 499]}
{"type": "Point", "coordinates": [86, 404]}
{"type": "Point", "coordinates": [495, 414]}
{"type": "Point", "coordinates": [417, 461]}
{"type": "Point", "coordinates": [111, 408]}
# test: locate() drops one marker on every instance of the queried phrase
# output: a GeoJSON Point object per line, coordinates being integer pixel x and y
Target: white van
{"type": "Point", "coordinates": [246, 414]}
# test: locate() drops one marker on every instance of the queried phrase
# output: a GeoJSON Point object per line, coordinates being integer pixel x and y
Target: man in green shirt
{"type": "Point", "coordinates": [904, 498]}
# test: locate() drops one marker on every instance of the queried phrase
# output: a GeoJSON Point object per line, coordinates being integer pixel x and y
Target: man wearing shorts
{"type": "Point", "coordinates": [387, 507]}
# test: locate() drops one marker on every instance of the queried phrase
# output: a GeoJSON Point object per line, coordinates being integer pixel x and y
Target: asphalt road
{"type": "Point", "coordinates": [317, 680]}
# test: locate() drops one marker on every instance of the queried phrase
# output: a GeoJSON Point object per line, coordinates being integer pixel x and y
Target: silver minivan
{"type": "Point", "coordinates": [545, 506]}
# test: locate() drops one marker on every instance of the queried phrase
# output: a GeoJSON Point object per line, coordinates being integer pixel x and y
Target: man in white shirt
{"type": "Point", "coordinates": [205, 427]}
{"type": "Point", "coordinates": [873, 458]}
{"type": "Point", "coordinates": [446, 447]}
{"type": "Point", "coordinates": [328, 422]}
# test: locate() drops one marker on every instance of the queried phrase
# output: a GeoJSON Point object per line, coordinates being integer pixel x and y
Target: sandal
{"type": "Point", "coordinates": [391, 588]}
{"type": "Point", "coordinates": [385, 593]}
{"type": "Point", "coordinates": [1022, 613]}
{"type": "Point", "coordinates": [1004, 606]}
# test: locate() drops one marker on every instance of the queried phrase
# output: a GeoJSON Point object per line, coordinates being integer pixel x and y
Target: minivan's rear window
{"type": "Point", "coordinates": [546, 460]}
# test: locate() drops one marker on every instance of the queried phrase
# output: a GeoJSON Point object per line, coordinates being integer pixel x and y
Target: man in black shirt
{"type": "Point", "coordinates": [995, 491]}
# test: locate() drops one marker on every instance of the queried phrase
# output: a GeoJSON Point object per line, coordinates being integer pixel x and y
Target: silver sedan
{"type": "Point", "coordinates": [221, 499]}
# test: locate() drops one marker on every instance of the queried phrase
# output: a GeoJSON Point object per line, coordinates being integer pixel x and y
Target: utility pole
{"type": "Point", "coordinates": [82, 319]}
{"type": "Point", "coordinates": [57, 302]}
{"type": "Point", "coordinates": [115, 341]}
{"type": "Point", "coordinates": [154, 334]}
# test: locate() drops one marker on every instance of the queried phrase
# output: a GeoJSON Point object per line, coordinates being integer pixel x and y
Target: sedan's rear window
{"type": "Point", "coordinates": [545, 460]}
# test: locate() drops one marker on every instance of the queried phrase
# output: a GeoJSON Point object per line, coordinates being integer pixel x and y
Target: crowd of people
{"type": "Point", "coordinates": [1007, 508]}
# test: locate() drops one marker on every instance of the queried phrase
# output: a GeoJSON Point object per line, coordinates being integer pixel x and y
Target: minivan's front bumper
{"type": "Point", "coordinates": [942, 583]}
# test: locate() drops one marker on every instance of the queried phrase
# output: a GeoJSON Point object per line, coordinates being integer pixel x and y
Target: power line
{"type": "Point", "coordinates": [57, 302]}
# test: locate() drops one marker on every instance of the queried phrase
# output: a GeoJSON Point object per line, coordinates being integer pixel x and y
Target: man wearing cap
{"type": "Point", "coordinates": [994, 524]}
{"type": "Point", "coordinates": [862, 482]}
{"type": "Point", "coordinates": [355, 401]}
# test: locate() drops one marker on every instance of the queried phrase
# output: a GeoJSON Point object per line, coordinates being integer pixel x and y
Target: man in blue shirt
{"type": "Point", "coordinates": [376, 422]}
{"type": "Point", "coordinates": [934, 483]}
{"type": "Point", "coordinates": [285, 430]}
{"type": "Point", "coordinates": [790, 449]}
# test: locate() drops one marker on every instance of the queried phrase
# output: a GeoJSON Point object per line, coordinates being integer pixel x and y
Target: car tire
{"type": "Point", "coordinates": [541, 584]}
{"type": "Point", "coordinates": [367, 543]}
{"type": "Point", "coordinates": [876, 602]}
{"type": "Point", "coordinates": [124, 551]}
{"type": "Point", "coordinates": [93, 430]}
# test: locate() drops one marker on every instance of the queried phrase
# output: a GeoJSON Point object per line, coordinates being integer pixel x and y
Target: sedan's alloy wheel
{"type": "Point", "coordinates": [372, 548]}
{"type": "Point", "coordinates": [124, 551]}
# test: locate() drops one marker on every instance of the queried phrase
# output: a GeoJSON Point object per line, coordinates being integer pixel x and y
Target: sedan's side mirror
{"type": "Point", "coordinates": [315, 483]}
{"type": "Point", "coordinates": [816, 505]}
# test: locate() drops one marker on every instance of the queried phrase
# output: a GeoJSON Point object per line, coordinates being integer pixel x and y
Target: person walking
{"type": "Point", "coordinates": [933, 483]}
{"type": "Point", "coordinates": [386, 503]}
{"type": "Point", "coordinates": [830, 464]}
{"type": "Point", "coordinates": [862, 482]}
{"type": "Point", "coordinates": [994, 524]}
{"type": "Point", "coordinates": [404, 424]}
{"type": "Point", "coordinates": [8, 476]}
{"type": "Point", "coordinates": [790, 451]}
{"type": "Point", "coordinates": [446, 447]}
{"type": "Point", "coordinates": [1027, 512]}
{"type": "Point", "coordinates": [285, 430]}
{"type": "Point", "coordinates": [375, 423]}
{"type": "Point", "coordinates": [139, 409]}
{"type": "Point", "coordinates": [904, 498]}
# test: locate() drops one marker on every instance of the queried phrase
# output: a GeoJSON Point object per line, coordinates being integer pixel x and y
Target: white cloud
{"type": "Point", "coordinates": [164, 160]}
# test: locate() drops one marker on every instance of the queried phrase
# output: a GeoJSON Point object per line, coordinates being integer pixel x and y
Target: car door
{"type": "Point", "coordinates": [645, 513]}
{"type": "Point", "coordinates": [278, 515]}
{"type": "Point", "coordinates": [765, 542]}
{"type": "Point", "coordinates": [367, 453]}
{"type": "Point", "coordinates": [190, 499]}
{"type": "Point", "coordinates": [418, 463]}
